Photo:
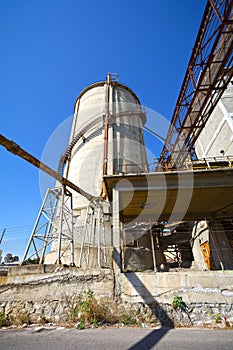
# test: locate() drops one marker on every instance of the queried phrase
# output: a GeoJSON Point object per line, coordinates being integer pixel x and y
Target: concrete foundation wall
{"type": "Point", "coordinates": [208, 297]}
{"type": "Point", "coordinates": [193, 287]}
{"type": "Point", "coordinates": [52, 291]}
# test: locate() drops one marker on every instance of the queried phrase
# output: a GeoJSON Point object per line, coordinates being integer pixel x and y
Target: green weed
{"type": "Point", "coordinates": [127, 319]}
{"type": "Point", "coordinates": [178, 303]}
{"type": "Point", "coordinates": [3, 320]}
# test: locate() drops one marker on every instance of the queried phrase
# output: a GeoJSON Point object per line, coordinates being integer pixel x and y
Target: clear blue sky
{"type": "Point", "coordinates": [52, 49]}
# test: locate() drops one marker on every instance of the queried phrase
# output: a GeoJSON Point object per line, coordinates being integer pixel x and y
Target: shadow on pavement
{"type": "Point", "coordinates": [150, 340]}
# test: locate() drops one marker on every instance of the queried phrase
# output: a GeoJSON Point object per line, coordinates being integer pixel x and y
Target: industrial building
{"type": "Point", "coordinates": [123, 205]}
{"type": "Point", "coordinates": [106, 154]}
{"type": "Point", "coordinates": [159, 229]}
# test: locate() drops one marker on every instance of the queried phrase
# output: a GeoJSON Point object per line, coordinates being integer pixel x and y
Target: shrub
{"type": "Point", "coordinates": [3, 320]}
{"type": "Point", "coordinates": [90, 312]}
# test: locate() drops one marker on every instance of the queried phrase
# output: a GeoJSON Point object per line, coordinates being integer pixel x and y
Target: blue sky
{"type": "Point", "coordinates": [53, 49]}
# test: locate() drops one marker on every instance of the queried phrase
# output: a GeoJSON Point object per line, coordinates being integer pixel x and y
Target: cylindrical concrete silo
{"type": "Point", "coordinates": [107, 129]}
{"type": "Point", "coordinates": [106, 139]}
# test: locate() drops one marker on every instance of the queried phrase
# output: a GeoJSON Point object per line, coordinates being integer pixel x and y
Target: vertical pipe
{"type": "Point", "coordinates": [72, 233]}
{"type": "Point", "coordinates": [103, 237]}
{"type": "Point", "coordinates": [123, 246]}
{"type": "Point", "coordinates": [94, 230]}
{"type": "Point", "coordinates": [60, 229]}
{"type": "Point", "coordinates": [90, 233]}
{"type": "Point", "coordinates": [106, 126]}
{"type": "Point", "coordinates": [153, 248]}
{"type": "Point", "coordinates": [98, 236]}
{"type": "Point", "coordinates": [215, 245]}
{"type": "Point", "coordinates": [84, 236]}
{"type": "Point", "coordinates": [116, 240]}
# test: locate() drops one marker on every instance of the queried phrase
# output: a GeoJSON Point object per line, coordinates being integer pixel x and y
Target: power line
{"type": "Point", "coordinates": [19, 228]}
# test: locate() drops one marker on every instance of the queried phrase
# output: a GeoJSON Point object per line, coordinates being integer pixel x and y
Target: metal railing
{"type": "Point", "coordinates": [211, 163]}
{"type": "Point", "coordinates": [203, 163]}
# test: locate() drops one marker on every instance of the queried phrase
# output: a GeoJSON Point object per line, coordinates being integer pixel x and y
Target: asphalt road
{"type": "Point", "coordinates": [116, 339]}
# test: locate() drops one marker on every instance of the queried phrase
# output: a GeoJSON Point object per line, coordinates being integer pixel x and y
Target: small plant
{"type": "Point", "coordinates": [95, 323]}
{"type": "Point", "coordinates": [74, 314]}
{"type": "Point", "coordinates": [90, 312]}
{"type": "Point", "coordinates": [81, 324]}
{"type": "Point", "coordinates": [127, 319]}
{"type": "Point", "coordinates": [3, 320]}
{"type": "Point", "coordinates": [178, 303]}
{"type": "Point", "coordinates": [87, 312]}
{"type": "Point", "coordinates": [216, 317]}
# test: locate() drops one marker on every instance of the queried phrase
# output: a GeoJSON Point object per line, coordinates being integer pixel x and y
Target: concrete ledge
{"type": "Point", "coordinates": [195, 286]}
{"type": "Point", "coordinates": [54, 283]}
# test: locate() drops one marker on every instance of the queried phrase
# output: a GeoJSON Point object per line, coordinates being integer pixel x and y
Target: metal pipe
{"type": "Point", "coordinates": [90, 236]}
{"type": "Point", "coordinates": [84, 237]}
{"type": "Point", "coordinates": [153, 248]}
{"type": "Point", "coordinates": [106, 127]}
{"type": "Point", "coordinates": [98, 238]}
{"type": "Point", "coordinates": [104, 238]}
{"type": "Point", "coordinates": [215, 245]}
{"type": "Point", "coordinates": [60, 230]}
{"type": "Point", "coordinates": [17, 150]}
{"type": "Point", "coordinates": [72, 234]}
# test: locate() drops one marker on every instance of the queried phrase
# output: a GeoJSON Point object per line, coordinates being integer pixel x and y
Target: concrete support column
{"type": "Point", "coordinates": [116, 242]}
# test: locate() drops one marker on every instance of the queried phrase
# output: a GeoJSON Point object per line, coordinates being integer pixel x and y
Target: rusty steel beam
{"type": "Point", "coordinates": [14, 148]}
{"type": "Point", "coordinates": [106, 124]}
{"type": "Point", "coordinates": [208, 73]}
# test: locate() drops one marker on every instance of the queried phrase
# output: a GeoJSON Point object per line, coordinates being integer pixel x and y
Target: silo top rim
{"type": "Point", "coordinates": [101, 83]}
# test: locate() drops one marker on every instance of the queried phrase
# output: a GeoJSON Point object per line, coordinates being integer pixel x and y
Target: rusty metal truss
{"type": "Point", "coordinates": [207, 76]}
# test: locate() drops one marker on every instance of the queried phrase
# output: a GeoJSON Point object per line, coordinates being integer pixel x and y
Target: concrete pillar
{"type": "Point", "coordinates": [200, 231]}
{"type": "Point", "coordinates": [116, 242]}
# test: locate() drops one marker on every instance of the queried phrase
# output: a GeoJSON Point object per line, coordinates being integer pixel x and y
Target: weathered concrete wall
{"type": "Point", "coordinates": [52, 291]}
{"type": "Point", "coordinates": [195, 286]}
{"type": "Point", "coordinates": [208, 295]}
